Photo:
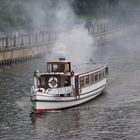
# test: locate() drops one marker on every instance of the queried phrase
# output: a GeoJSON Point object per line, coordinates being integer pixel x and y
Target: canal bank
{"type": "Point", "coordinates": [20, 47]}
{"type": "Point", "coordinates": [10, 56]}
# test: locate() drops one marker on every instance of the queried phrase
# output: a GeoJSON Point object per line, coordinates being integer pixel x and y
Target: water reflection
{"type": "Point", "coordinates": [92, 121]}
{"type": "Point", "coordinates": [56, 124]}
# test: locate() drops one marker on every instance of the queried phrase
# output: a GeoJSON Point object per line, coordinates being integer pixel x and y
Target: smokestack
{"type": "Point", "coordinates": [61, 59]}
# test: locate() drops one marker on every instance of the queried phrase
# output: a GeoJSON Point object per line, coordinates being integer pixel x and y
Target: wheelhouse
{"type": "Point", "coordinates": [61, 66]}
{"type": "Point", "coordinates": [58, 75]}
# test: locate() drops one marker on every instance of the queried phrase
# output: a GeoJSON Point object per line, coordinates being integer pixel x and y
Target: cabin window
{"type": "Point", "coordinates": [82, 81]}
{"type": "Point", "coordinates": [87, 79]}
{"type": "Point", "coordinates": [99, 74]}
{"type": "Point", "coordinates": [66, 68]}
{"type": "Point", "coordinates": [55, 67]}
{"type": "Point", "coordinates": [62, 68]}
{"type": "Point", "coordinates": [103, 73]}
{"type": "Point", "coordinates": [49, 68]}
{"type": "Point", "coordinates": [96, 77]}
{"type": "Point", "coordinates": [92, 78]}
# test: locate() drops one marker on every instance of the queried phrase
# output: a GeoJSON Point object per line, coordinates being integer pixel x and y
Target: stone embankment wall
{"type": "Point", "coordinates": [16, 48]}
{"type": "Point", "coordinates": [16, 55]}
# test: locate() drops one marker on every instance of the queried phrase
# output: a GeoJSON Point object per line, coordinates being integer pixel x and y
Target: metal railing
{"type": "Point", "coordinates": [27, 39]}
{"type": "Point", "coordinates": [62, 90]}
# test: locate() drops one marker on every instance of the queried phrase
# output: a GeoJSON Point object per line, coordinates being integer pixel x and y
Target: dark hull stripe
{"type": "Point", "coordinates": [73, 99]}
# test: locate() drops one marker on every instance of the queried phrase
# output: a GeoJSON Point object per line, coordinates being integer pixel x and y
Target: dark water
{"type": "Point", "coordinates": [115, 115]}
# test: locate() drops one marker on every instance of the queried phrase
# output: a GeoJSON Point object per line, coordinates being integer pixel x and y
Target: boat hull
{"type": "Point", "coordinates": [42, 104]}
{"type": "Point", "coordinates": [40, 107]}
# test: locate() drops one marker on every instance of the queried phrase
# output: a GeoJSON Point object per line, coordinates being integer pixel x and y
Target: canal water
{"type": "Point", "coordinates": [114, 115]}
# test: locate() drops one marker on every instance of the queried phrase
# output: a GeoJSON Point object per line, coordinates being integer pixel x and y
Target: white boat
{"type": "Point", "coordinates": [63, 86]}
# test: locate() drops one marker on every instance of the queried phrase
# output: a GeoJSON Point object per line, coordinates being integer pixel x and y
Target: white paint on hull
{"type": "Point", "coordinates": [64, 104]}
{"type": "Point", "coordinates": [49, 103]}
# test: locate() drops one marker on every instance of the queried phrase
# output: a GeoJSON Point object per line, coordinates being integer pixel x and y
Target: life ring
{"type": "Point", "coordinates": [53, 82]}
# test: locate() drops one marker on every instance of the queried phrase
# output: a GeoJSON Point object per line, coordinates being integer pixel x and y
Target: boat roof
{"type": "Point", "coordinates": [58, 62]}
{"type": "Point", "coordinates": [78, 69]}
{"type": "Point", "coordinates": [87, 68]}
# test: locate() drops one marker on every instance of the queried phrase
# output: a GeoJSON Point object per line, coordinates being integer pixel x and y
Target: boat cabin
{"type": "Point", "coordinates": [59, 66]}
{"type": "Point", "coordinates": [58, 75]}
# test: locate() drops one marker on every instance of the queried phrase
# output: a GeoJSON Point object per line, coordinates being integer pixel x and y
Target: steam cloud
{"type": "Point", "coordinates": [75, 44]}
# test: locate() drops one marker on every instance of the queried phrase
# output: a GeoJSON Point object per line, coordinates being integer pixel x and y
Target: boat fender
{"type": "Point", "coordinates": [47, 90]}
{"type": "Point", "coordinates": [53, 82]}
{"type": "Point", "coordinates": [40, 90]}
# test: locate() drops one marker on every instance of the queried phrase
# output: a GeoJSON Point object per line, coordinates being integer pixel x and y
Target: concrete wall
{"type": "Point", "coordinates": [16, 48]}
{"type": "Point", "coordinates": [9, 56]}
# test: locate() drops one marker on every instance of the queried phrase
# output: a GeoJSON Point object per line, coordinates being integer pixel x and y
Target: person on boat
{"type": "Point", "coordinates": [66, 83]}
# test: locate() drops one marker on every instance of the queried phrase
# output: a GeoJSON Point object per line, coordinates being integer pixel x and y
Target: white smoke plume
{"type": "Point", "coordinates": [75, 44]}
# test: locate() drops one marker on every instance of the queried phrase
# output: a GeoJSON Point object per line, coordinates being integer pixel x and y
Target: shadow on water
{"type": "Point", "coordinates": [57, 124]}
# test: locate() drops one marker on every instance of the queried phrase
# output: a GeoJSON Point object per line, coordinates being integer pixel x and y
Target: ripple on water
{"type": "Point", "coordinates": [115, 115]}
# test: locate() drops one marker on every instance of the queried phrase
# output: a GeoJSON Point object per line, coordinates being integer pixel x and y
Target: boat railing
{"type": "Point", "coordinates": [62, 90]}
{"type": "Point", "coordinates": [32, 89]}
